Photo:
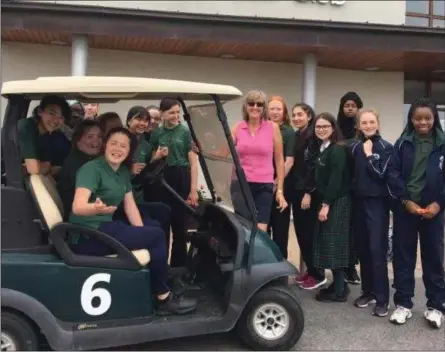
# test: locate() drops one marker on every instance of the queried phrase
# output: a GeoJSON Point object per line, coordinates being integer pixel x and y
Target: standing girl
{"type": "Point", "coordinates": [416, 181]}
{"type": "Point", "coordinates": [371, 155]}
{"type": "Point", "coordinates": [332, 230]}
{"type": "Point", "coordinates": [279, 220]}
{"type": "Point", "coordinates": [302, 186]}
{"type": "Point", "coordinates": [101, 185]}
{"type": "Point", "coordinates": [350, 103]}
{"type": "Point", "coordinates": [181, 173]}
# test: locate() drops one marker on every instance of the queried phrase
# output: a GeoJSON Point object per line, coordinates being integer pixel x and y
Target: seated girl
{"type": "Point", "coordinates": [37, 134]}
{"type": "Point", "coordinates": [137, 121]}
{"type": "Point", "coordinates": [87, 141]}
{"type": "Point", "coordinates": [101, 186]}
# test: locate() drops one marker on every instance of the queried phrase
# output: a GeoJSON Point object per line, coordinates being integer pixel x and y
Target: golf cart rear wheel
{"type": "Point", "coordinates": [272, 320]}
{"type": "Point", "coordinates": [17, 334]}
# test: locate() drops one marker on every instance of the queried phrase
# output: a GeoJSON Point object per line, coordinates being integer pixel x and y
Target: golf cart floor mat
{"type": "Point", "coordinates": [208, 306]}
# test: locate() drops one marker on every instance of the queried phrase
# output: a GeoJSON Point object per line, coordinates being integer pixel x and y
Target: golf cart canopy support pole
{"type": "Point", "coordinates": [202, 162]}
{"type": "Point", "coordinates": [241, 178]}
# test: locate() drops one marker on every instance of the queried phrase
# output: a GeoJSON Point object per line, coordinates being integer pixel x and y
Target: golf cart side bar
{"type": "Point", "coordinates": [241, 178]}
{"type": "Point", "coordinates": [202, 162]}
{"type": "Point", "coordinates": [10, 140]}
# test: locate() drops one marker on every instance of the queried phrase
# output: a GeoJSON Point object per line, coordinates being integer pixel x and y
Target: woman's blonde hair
{"type": "Point", "coordinates": [360, 113]}
{"type": "Point", "coordinates": [255, 96]}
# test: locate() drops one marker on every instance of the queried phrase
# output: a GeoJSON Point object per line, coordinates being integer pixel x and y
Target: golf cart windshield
{"type": "Point", "coordinates": [215, 151]}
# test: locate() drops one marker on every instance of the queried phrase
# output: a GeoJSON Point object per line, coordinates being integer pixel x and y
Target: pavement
{"type": "Point", "coordinates": [333, 327]}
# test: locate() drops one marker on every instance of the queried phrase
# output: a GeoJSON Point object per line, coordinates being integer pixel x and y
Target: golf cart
{"type": "Point", "coordinates": [77, 302]}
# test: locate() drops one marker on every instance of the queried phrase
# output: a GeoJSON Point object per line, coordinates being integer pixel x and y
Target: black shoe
{"type": "Point", "coordinates": [175, 305]}
{"type": "Point", "coordinates": [177, 287]}
{"type": "Point", "coordinates": [364, 300]}
{"type": "Point", "coordinates": [332, 296]}
{"type": "Point", "coordinates": [353, 276]}
{"type": "Point", "coordinates": [381, 310]}
{"type": "Point", "coordinates": [328, 289]}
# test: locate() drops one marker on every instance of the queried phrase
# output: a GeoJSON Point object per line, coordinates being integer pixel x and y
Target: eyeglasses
{"type": "Point", "coordinates": [323, 127]}
{"type": "Point", "coordinates": [257, 103]}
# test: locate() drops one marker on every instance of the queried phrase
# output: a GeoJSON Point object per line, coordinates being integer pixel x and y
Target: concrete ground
{"type": "Point", "coordinates": [333, 327]}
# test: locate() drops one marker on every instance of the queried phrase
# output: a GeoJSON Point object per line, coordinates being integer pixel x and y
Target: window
{"type": "Point", "coordinates": [416, 89]}
{"type": "Point", "coordinates": [425, 13]}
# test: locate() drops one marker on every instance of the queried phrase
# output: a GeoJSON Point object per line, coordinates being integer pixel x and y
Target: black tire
{"type": "Point", "coordinates": [284, 296]}
{"type": "Point", "coordinates": [20, 331]}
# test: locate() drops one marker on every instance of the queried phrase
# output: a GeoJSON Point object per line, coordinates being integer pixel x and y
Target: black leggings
{"type": "Point", "coordinates": [178, 178]}
{"type": "Point", "coordinates": [279, 223]}
{"type": "Point", "coordinates": [304, 223]}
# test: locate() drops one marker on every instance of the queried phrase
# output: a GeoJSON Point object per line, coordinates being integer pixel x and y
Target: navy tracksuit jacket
{"type": "Point", "coordinates": [407, 226]}
{"type": "Point", "coordinates": [370, 218]}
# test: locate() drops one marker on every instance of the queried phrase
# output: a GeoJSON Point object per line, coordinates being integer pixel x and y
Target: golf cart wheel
{"type": "Point", "coordinates": [272, 320]}
{"type": "Point", "coordinates": [17, 334]}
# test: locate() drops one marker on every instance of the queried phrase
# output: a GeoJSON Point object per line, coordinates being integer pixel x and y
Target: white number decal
{"type": "Point", "coordinates": [88, 294]}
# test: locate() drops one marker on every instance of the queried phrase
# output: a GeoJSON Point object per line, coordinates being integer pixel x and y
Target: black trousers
{"type": "Point", "coordinates": [370, 228]}
{"type": "Point", "coordinates": [304, 223]}
{"type": "Point", "coordinates": [278, 227]}
{"type": "Point", "coordinates": [408, 229]}
{"type": "Point", "coordinates": [178, 178]}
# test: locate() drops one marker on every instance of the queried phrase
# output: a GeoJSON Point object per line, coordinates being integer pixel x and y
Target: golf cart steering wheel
{"type": "Point", "coordinates": [151, 176]}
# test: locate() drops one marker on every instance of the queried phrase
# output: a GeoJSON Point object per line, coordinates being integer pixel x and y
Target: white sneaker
{"type": "Point", "coordinates": [400, 315]}
{"type": "Point", "coordinates": [433, 317]}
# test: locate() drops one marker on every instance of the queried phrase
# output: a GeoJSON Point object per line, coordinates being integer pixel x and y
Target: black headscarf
{"type": "Point", "coordinates": [347, 124]}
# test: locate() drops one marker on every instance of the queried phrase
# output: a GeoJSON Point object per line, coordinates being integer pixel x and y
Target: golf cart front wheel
{"type": "Point", "coordinates": [272, 320]}
{"type": "Point", "coordinates": [17, 334]}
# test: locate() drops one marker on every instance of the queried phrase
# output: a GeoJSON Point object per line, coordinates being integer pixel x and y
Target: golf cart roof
{"type": "Point", "coordinates": [113, 89]}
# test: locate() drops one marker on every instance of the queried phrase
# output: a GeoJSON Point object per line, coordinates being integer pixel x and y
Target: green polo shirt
{"type": "Point", "coordinates": [288, 136]}
{"type": "Point", "coordinates": [178, 140]}
{"type": "Point", "coordinates": [105, 183]}
{"type": "Point", "coordinates": [142, 152]}
{"type": "Point", "coordinates": [332, 173]}
{"type": "Point", "coordinates": [417, 179]}
{"type": "Point", "coordinates": [141, 155]}
{"type": "Point", "coordinates": [30, 143]}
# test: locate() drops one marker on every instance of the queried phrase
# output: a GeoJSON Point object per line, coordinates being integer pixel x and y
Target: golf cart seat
{"type": "Point", "coordinates": [49, 205]}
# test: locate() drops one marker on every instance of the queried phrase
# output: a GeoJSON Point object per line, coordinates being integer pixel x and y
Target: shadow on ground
{"type": "Point", "coordinates": [332, 327]}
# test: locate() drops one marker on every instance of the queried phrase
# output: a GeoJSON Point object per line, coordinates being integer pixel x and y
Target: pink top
{"type": "Point", "coordinates": [256, 152]}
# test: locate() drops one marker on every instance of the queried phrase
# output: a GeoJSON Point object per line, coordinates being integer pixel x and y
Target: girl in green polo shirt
{"type": "Point", "coordinates": [35, 134]}
{"type": "Point", "coordinates": [280, 219]}
{"type": "Point", "coordinates": [332, 229]}
{"type": "Point", "coordinates": [101, 186]}
{"type": "Point", "coordinates": [138, 120]}
{"type": "Point", "coordinates": [86, 145]}
{"type": "Point", "coordinates": [181, 173]}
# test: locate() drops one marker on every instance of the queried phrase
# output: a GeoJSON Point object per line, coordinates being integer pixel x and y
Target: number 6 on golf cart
{"type": "Point", "coordinates": [77, 302]}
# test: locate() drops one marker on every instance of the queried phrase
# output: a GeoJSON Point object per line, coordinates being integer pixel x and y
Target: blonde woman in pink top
{"type": "Point", "coordinates": [259, 145]}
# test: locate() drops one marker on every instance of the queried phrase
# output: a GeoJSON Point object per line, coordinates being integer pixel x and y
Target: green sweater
{"type": "Point", "coordinates": [417, 179]}
{"type": "Point", "coordinates": [332, 173]}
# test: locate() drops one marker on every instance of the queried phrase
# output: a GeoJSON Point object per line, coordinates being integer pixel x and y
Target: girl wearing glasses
{"type": "Point", "coordinates": [332, 229]}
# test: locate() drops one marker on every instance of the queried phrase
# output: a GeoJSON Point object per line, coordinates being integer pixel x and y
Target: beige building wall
{"type": "Point", "coordinates": [380, 90]}
{"type": "Point", "coordinates": [383, 12]}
